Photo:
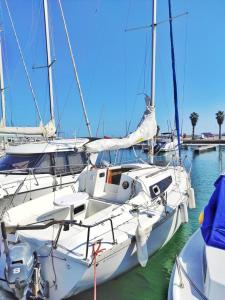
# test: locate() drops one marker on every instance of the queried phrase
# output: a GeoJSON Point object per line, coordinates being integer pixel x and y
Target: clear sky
{"type": "Point", "coordinates": [114, 65]}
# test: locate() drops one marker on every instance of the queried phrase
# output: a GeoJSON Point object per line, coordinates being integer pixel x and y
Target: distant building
{"type": "Point", "coordinates": [207, 134]}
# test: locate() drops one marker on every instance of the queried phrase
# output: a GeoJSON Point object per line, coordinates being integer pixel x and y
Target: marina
{"type": "Point", "coordinates": [111, 182]}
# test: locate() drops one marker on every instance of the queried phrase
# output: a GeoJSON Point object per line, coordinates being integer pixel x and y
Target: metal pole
{"type": "Point", "coordinates": [153, 58]}
{"type": "Point", "coordinates": [174, 81]}
{"type": "Point", "coordinates": [153, 70]}
{"type": "Point", "coordinates": [75, 71]}
{"type": "Point", "coordinates": [49, 60]}
{"type": "Point", "coordinates": [2, 87]}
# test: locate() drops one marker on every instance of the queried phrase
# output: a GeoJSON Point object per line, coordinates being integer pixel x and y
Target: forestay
{"type": "Point", "coordinates": [146, 130]}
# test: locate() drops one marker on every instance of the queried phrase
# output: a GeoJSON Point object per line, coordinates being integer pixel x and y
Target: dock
{"type": "Point", "coordinates": [204, 148]}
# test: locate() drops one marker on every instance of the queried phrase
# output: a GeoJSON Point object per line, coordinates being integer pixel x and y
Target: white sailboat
{"type": "Point", "coordinates": [166, 143]}
{"type": "Point", "coordinates": [31, 170]}
{"type": "Point", "coordinates": [54, 245]}
{"type": "Point", "coordinates": [48, 130]}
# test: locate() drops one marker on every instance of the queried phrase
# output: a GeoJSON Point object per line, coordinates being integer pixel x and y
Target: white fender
{"type": "Point", "coordinates": [191, 198]}
{"type": "Point", "coordinates": [184, 212]}
{"type": "Point", "coordinates": [141, 242]}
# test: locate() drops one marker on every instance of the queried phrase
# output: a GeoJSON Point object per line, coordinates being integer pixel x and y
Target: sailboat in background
{"type": "Point", "coordinates": [34, 169]}
{"type": "Point", "coordinates": [59, 240]}
{"type": "Point", "coordinates": [48, 130]}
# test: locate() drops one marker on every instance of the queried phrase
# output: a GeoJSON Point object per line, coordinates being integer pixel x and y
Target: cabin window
{"type": "Point", "coordinates": [76, 161]}
{"type": "Point", "coordinates": [160, 187]}
{"type": "Point", "coordinates": [18, 163]}
{"type": "Point", "coordinates": [61, 167]}
{"type": "Point", "coordinates": [44, 166]}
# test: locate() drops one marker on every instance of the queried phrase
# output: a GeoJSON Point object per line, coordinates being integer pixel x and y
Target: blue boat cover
{"type": "Point", "coordinates": [213, 226]}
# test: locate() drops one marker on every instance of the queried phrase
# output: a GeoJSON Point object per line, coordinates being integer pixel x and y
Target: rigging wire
{"type": "Point", "coordinates": [75, 70]}
{"type": "Point", "coordinates": [24, 64]}
{"type": "Point", "coordinates": [100, 117]}
{"type": "Point", "coordinates": [64, 106]}
{"type": "Point", "coordinates": [138, 93]}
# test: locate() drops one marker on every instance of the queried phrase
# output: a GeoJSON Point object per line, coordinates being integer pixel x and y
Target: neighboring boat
{"type": "Point", "coordinates": [31, 170]}
{"type": "Point", "coordinates": [199, 269]}
{"type": "Point", "coordinates": [166, 143]}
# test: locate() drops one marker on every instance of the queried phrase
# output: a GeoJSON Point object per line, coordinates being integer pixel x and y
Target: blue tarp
{"type": "Point", "coordinates": [213, 226]}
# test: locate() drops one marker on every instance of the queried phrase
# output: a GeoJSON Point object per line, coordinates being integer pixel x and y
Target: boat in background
{"type": "Point", "coordinates": [167, 142]}
{"type": "Point", "coordinates": [199, 269]}
{"type": "Point", "coordinates": [31, 170]}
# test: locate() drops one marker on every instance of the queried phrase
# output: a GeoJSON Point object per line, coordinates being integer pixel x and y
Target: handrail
{"type": "Point", "coordinates": [61, 223]}
{"type": "Point", "coordinates": [43, 168]}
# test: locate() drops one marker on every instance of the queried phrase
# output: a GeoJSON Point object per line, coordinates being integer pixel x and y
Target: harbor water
{"type": "Point", "coordinates": [151, 282]}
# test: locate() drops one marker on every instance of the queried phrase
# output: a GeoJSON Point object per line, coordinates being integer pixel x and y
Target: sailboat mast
{"type": "Point", "coordinates": [49, 60]}
{"type": "Point", "coordinates": [153, 57]}
{"type": "Point", "coordinates": [75, 71]}
{"type": "Point", "coordinates": [174, 80]}
{"type": "Point", "coordinates": [2, 87]}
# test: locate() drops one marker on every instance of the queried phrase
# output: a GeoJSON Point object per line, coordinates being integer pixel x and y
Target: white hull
{"type": "Point", "coordinates": [169, 146]}
{"type": "Point", "coordinates": [130, 203]}
{"type": "Point", "coordinates": [191, 259]}
{"type": "Point", "coordinates": [122, 259]}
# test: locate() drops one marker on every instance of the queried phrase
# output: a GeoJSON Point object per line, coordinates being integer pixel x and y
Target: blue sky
{"type": "Point", "coordinates": [114, 65]}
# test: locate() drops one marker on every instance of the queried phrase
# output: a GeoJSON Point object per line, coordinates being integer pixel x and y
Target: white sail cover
{"type": "Point", "coordinates": [47, 130]}
{"type": "Point", "coordinates": [146, 130]}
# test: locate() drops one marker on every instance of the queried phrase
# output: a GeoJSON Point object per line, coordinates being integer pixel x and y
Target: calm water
{"type": "Point", "coordinates": [151, 283]}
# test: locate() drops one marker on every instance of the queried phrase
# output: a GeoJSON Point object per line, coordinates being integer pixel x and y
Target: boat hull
{"type": "Point", "coordinates": [123, 257]}
{"type": "Point", "coordinates": [191, 259]}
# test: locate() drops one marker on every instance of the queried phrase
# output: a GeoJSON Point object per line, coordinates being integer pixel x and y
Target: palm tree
{"type": "Point", "coordinates": [220, 119]}
{"type": "Point", "coordinates": [194, 119]}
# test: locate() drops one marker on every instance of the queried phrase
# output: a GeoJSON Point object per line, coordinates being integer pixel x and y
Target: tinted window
{"type": "Point", "coordinates": [44, 165]}
{"type": "Point", "coordinates": [61, 167]}
{"type": "Point", "coordinates": [76, 161]}
{"type": "Point", "coordinates": [160, 187]}
{"type": "Point", "coordinates": [19, 163]}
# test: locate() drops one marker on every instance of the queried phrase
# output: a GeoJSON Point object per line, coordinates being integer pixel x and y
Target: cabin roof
{"type": "Point", "coordinates": [48, 147]}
